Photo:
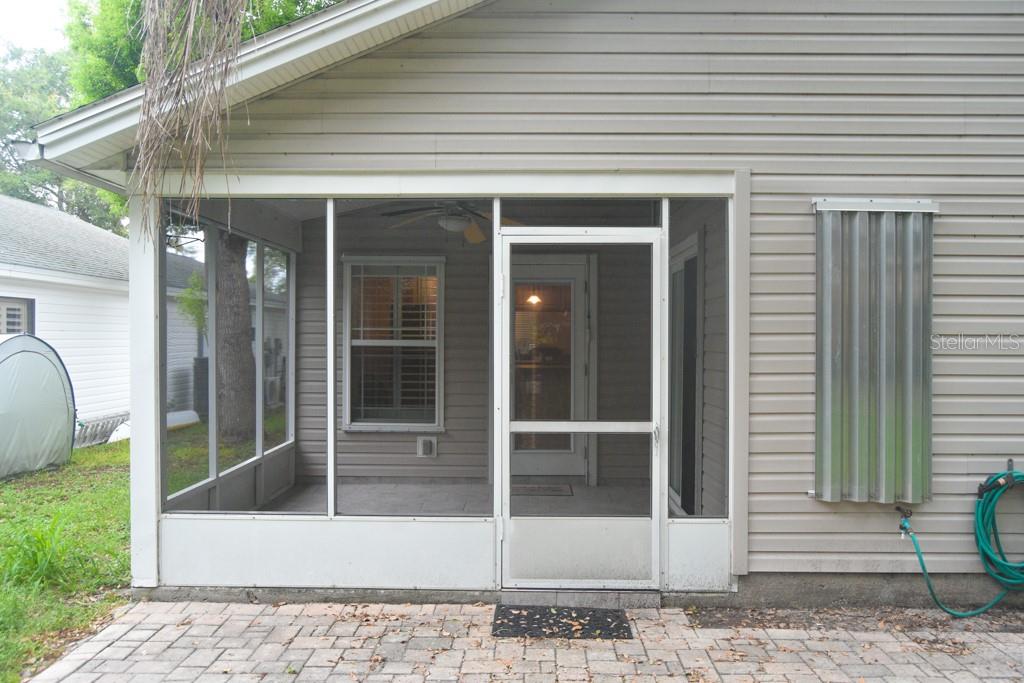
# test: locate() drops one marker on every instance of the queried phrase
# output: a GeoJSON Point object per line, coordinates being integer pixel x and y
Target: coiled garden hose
{"type": "Point", "coordinates": [1009, 575]}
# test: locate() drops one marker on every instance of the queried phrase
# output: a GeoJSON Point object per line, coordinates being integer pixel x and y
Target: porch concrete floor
{"type": "Point", "coordinates": [252, 643]}
{"type": "Point", "coordinates": [439, 496]}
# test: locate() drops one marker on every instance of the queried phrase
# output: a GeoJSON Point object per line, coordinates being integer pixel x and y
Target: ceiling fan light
{"type": "Point", "coordinates": [453, 223]}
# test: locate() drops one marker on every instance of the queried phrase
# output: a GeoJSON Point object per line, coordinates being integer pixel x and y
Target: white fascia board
{"type": "Point", "coordinates": [57, 277]}
{"type": "Point", "coordinates": [874, 204]}
{"type": "Point", "coordinates": [479, 183]}
{"type": "Point", "coordinates": [258, 58]}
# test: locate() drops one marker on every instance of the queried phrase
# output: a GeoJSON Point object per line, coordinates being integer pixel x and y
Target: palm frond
{"type": "Point", "coordinates": [188, 56]}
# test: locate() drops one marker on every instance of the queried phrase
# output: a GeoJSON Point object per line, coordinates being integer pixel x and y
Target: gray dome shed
{"type": "Point", "coordinates": [37, 406]}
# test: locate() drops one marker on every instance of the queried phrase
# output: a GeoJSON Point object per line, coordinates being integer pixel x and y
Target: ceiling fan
{"type": "Point", "coordinates": [451, 216]}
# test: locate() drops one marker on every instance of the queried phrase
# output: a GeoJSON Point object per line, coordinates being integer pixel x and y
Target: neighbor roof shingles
{"type": "Point", "coordinates": [42, 237]}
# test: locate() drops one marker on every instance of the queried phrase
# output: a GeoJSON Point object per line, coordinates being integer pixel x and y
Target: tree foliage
{"type": "Point", "coordinates": [192, 302]}
{"type": "Point", "coordinates": [105, 39]}
{"type": "Point", "coordinates": [106, 47]}
{"type": "Point", "coordinates": [34, 87]}
{"type": "Point", "coordinates": [265, 15]}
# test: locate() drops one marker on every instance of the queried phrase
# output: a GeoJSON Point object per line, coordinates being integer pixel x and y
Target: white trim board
{"type": "Point", "coordinates": [868, 204]}
{"type": "Point", "coordinates": [59, 277]}
{"type": "Point", "coordinates": [486, 184]}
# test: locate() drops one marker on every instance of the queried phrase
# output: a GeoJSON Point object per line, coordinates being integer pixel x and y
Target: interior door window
{"type": "Point", "coordinates": [542, 358]}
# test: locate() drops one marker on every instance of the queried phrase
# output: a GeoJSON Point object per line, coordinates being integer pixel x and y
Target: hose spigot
{"type": "Point", "coordinates": [905, 515]}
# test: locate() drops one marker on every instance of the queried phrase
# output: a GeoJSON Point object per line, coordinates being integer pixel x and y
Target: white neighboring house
{"type": "Point", "coordinates": [66, 282]}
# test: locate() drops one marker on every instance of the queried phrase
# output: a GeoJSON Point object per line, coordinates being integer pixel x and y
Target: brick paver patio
{"type": "Point", "coordinates": [242, 643]}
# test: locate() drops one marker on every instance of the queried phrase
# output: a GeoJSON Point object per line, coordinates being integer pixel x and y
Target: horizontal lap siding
{"type": "Point", "coordinates": [715, 413]}
{"type": "Point", "coordinates": [876, 98]}
{"type": "Point", "coordinates": [311, 352]}
{"type": "Point", "coordinates": [462, 450]}
{"type": "Point", "coordinates": [89, 330]}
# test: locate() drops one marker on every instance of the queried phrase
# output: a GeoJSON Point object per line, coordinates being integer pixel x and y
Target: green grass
{"type": "Point", "coordinates": [63, 551]}
{"type": "Point", "coordinates": [188, 449]}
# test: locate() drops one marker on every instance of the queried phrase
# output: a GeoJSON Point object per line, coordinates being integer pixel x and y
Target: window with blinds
{"type": "Point", "coordinates": [393, 329]}
{"type": "Point", "coordinates": [16, 316]}
{"type": "Point", "coordinates": [874, 386]}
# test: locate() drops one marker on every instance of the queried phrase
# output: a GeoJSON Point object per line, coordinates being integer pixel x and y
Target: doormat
{"type": "Point", "coordinates": [514, 621]}
{"type": "Point", "coordinates": [541, 490]}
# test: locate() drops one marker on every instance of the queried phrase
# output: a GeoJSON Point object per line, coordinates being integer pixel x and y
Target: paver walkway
{"type": "Point", "coordinates": [241, 643]}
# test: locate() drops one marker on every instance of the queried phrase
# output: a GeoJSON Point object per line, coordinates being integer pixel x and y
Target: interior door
{"type": "Point", "coordinates": [565, 530]}
{"type": "Point", "coordinates": [550, 351]}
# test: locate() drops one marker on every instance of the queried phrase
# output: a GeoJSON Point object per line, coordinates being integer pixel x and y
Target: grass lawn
{"type": "Point", "coordinates": [188, 450]}
{"type": "Point", "coordinates": [63, 551]}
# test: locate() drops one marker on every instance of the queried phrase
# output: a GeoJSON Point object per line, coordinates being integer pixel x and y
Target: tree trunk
{"type": "Point", "coordinates": [236, 366]}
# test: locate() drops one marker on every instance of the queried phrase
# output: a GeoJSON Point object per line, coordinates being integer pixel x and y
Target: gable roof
{"type": "Point", "coordinates": [69, 143]}
{"type": "Point", "coordinates": [42, 237]}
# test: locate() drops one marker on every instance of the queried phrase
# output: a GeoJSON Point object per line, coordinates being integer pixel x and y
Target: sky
{"type": "Point", "coordinates": [34, 24]}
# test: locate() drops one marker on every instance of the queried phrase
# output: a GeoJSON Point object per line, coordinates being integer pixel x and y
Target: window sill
{"type": "Point", "coordinates": [394, 428]}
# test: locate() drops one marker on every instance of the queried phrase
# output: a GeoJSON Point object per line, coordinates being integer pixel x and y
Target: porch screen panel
{"type": "Point", "coordinates": [186, 362]}
{"type": "Point", "coordinates": [235, 366]}
{"type": "Point", "coordinates": [276, 351]}
{"type": "Point", "coordinates": [873, 428]}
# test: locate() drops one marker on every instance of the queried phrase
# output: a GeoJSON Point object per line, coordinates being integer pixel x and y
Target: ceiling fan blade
{"type": "Point", "coordinates": [403, 212]}
{"type": "Point", "coordinates": [412, 219]}
{"type": "Point", "coordinates": [466, 208]}
{"type": "Point", "coordinates": [473, 234]}
{"type": "Point", "coordinates": [505, 220]}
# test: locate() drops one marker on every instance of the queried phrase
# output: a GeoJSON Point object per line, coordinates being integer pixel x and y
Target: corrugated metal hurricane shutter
{"type": "Point", "coordinates": [874, 387]}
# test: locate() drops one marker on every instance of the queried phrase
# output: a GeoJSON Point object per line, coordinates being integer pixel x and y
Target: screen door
{"type": "Point", "coordinates": [577, 354]}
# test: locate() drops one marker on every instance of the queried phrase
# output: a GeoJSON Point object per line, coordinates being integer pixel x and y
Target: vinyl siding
{"type": "Point", "coordinates": [89, 330]}
{"type": "Point", "coordinates": [908, 98]}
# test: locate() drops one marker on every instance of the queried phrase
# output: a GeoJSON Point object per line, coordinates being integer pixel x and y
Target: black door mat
{"type": "Point", "coordinates": [514, 621]}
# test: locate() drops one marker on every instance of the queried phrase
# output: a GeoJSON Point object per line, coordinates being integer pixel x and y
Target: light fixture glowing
{"type": "Point", "coordinates": [533, 299]}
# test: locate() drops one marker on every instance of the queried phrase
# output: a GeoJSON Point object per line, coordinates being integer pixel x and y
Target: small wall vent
{"type": "Point", "coordinates": [426, 446]}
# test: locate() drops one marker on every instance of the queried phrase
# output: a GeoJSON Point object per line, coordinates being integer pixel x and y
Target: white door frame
{"type": "Point", "coordinates": [505, 238]}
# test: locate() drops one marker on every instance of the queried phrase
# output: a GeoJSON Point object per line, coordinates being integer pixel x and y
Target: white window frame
{"type": "Point", "coordinates": [437, 426]}
{"type": "Point", "coordinates": [27, 307]}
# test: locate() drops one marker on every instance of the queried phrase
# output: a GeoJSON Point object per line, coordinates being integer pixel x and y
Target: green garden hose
{"type": "Point", "coordinates": [1009, 575]}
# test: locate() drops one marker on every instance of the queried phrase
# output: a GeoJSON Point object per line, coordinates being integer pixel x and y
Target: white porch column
{"type": "Point", "coordinates": [332, 357]}
{"type": "Point", "coordinates": [144, 356]}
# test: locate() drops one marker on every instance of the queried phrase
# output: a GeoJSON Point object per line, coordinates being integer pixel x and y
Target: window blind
{"type": "Point", "coordinates": [874, 387]}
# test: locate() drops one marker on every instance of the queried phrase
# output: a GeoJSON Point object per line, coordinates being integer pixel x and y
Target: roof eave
{"type": "Point", "coordinates": [106, 127]}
